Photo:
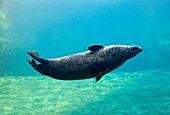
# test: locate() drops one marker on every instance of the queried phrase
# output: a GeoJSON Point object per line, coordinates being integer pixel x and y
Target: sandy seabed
{"type": "Point", "coordinates": [144, 92]}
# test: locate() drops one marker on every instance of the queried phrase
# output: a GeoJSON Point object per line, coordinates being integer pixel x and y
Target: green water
{"type": "Point", "coordinates": [122, 93]}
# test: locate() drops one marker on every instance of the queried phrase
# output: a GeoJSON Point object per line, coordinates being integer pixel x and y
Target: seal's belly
{"type": "Point", "coordinates": [74, 77]}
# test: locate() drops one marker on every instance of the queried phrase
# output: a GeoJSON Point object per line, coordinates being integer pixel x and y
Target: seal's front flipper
{"type": "Point", "coordinates": [95, 47]}
{"type": "Point", "coordinates": [35, 55]}
{"type": "Point", "coordinates": [98, 77]}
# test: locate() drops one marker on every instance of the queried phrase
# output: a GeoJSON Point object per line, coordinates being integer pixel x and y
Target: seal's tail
{"type": "Point", "coordinates": [35, 55]}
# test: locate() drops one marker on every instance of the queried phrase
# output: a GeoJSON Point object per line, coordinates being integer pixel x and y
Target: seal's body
{"type": "Point", "coordinates": [96, 62]}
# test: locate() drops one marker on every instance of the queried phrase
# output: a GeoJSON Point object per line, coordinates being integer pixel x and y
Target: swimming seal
{"type": "Point", "coordinates": [96, 62]}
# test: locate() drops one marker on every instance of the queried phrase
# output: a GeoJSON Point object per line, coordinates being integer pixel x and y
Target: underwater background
{"type": "Point", "coordinates": [57, 28]}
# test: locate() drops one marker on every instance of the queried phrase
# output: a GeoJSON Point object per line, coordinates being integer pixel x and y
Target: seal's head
{"type": "Point", "coordinates": [124, 52]}
{"type": "Point", "coordinates": [133, 51]}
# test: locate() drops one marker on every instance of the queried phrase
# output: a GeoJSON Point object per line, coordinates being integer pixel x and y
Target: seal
{"type": "Point", "coordinates": [96, 62]}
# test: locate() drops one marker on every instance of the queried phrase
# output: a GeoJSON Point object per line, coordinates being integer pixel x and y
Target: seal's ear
{"type": "Point", "coordinates": [95, 47]}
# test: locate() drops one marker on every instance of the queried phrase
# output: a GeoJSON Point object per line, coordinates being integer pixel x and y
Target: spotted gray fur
{"type": "Point", "coordinates": [96, 62]}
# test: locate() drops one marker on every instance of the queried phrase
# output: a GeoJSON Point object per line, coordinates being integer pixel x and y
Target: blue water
{"type": "Point", "coordinates": [57, 28]}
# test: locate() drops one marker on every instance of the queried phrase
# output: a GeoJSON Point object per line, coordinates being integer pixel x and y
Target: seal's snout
{"type": "Point", "coordinates": [140, 49]}
{"type": "Point", "coordinates": [134, 50]}
{"type": "Point", "coordinates": [137, 49]}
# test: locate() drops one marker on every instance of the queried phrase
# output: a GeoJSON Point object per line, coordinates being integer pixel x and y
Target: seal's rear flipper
{"type": "Point", "coordinates": [35, 66]}
{"type": "Point", "coordinates": [35, 55]}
